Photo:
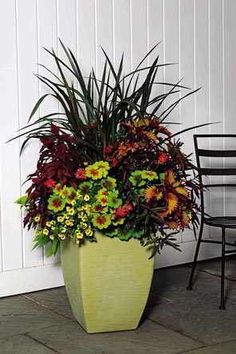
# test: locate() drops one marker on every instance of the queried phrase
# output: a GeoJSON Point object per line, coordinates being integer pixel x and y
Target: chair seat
{"type": "Point", "coordinates": [221, 221]}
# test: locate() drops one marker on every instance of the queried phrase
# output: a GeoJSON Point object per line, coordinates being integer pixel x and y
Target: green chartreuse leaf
{"type": "Point", "coordinates": [22, 200]}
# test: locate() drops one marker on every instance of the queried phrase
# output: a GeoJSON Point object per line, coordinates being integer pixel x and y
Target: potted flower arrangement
{"type": "Point", "coordinates": [112, 186]}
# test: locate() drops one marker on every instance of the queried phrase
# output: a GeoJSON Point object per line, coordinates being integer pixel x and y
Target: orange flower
{"type": "Point", "coordinates": [172, 203]}
{"type": "Point", "coordinates": [152, 193]}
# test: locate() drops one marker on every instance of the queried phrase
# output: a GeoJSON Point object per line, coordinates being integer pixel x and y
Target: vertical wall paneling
{"type": "Point", "coordinates": [229, 12]}
{"type": "Point", "coordinates": [216, 93]}
{"type": "Point", "coordinates": [121, 25]}
{"type": "Point", "coordinates": [201, 73]}
{"type": "Point", "coordinates": [66, 24]}
{"type": "Point", "coordinates": [10, 163]}
{"type": "Point", "coordinates": [197, 35]}
{"type": "Point", "coordinates": [187, 108]}
{"type": "Point", "coordinates": [48, 22]}
{"type": "Point", "coordinates": [155, 36]}
{"type": "Point", "coordinates": [28, 93]}
{"type": "Point", "coordinates": [86, 34]}
{"type": "Point", "coordinates": [104, 32]}
{"type": "Point", "coordinates": [138, 30]}
{"type": "Point", "coordinates": [171, 20]}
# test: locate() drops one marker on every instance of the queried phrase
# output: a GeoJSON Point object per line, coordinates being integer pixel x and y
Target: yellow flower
{"type": "Point", "coordinates": [46, 232]}
{"type": "Point", "coordinates": [89, 232]}
{"type": "Point", "coordinates": [79, 235]}
{"type": "Point", "coordinates": [48, 223]}
{"type": "Point", "coordinates": [98, 170]}
{"type": "Point", "coordinates": [70, 211]}
{"type": "Point", "coordinates": [37, 218]}
{"type": "Point", "coordinates": [102, 164]}
{"type": "Point", "coordinates": [86, 197]}
{"type": "Point", "coordinates": [78, 194]}
{"type": "Point", "coordinates": [62, 236]}
{"type": "Point", "coordinates": [83, 225]}
{"type": "Point", "coordinates": [60, 218]}
{"type": "Point", "coordinates": [93, 172]}
{"type": "Point", "coordinates": [69, 222]}
{"type": "Point", "coordinates": [101, 221]}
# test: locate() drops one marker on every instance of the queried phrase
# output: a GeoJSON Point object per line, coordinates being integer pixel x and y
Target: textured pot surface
{"type": "Point", "coordinates": [107, 283]}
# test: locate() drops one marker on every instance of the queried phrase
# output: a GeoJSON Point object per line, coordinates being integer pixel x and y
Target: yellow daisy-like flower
{"type": "Point", "coordinates": [86, 197]}
{"type": "Point", "coordinates": [37, 218]}
{"type": "Point", "coordinates": [93, 172]}
{"type": "Point", "coordinates": [60, 218]}
{"type": "Point", "coordinates": [48, 223]}
{"type": "Point", "coordinates": [101, 221]}
{"type": "Point", "coordinates": [89, 232]}
{"type": "Point", "coordinates": [46, 232]}
{"type": "Point", "coordinates": [103, 200]}
{"type": "Point", "coordinates": [83, 225]}
{"type": "Point", "coordinates": [62, 236]}
{"type": "Point", "coordinates": [79, 235]}
{"type": "Point", "coordinates": [69, 222]}
{"type": "Point", "coordinates": [102, 164]}
{"type": "Point", "coordinates": [70, 211]}
{"type": "Point", "coordinates": [109, 183]}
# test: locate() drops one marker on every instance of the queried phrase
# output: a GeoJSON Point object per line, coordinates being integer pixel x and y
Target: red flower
{"type": "Point", "coordinates": [80, 174]}
{"type": "Point", "coordinates": [163, 158]}
{"type": "Point", "coordinates": [50, 183]}
{"type": "Point", "coordinates": [123, 211]}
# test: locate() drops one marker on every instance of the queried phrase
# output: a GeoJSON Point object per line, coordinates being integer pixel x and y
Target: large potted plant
{"type": "Point", "coordinates": [111, 188]}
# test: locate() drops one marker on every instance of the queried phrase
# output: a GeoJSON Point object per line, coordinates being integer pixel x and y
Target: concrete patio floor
{"type": "Point", "coordinates": [176, 321]}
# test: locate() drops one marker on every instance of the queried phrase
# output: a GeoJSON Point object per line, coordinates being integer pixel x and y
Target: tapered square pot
{"type": "Point", "coordinates": [107, 282]}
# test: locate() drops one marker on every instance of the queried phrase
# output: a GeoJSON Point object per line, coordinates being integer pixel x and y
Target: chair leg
{"type": "Point", "coordinates": [189, 287]}
{"type": "Point", "coordinates": [222, 296]}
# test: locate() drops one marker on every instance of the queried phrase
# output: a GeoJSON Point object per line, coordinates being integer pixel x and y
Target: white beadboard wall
{"type": "Point", "coordinates": [198, 35]}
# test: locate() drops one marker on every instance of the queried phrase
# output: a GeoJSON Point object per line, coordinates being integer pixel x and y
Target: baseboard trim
{"type": "Point", "coordinates": [19, 281]}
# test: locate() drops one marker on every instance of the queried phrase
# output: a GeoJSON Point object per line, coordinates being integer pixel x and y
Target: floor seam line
{"type": "Point", "coordinates": [39, 342]}
{"type": "Point", "coordinates": [48, 308]}
{"type": "Point", "coordinates": [176, 331]}
{"type": "Point", "coordinates": [208, 345]}
{"type": "Point", "coordinates": [215, 275]}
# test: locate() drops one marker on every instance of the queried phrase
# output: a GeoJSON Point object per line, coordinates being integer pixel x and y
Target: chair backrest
{"type": "Point", "coordinates": [222, 152]}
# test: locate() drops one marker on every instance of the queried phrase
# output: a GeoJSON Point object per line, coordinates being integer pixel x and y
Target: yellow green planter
{"type": "Point", "coordinates": [107, 283]}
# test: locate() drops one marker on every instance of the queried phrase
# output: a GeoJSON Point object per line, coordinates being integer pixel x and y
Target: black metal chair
{"type": "Point", "coordinates": [223, 222]}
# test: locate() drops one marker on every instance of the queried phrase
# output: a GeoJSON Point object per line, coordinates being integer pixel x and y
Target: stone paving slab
{"type": "Point", "coordinates": [22, 344]}
{"type": "Point", "coordinates": [213, 267]}
{"type": "Point", "coordinates": [19, 315]}
{"type": "Point", "coordinates": [193, 313]}
{"type": "Point", "coordinates": [149, 337]}
{"type": "Point", "coordinates": [54, 299]}
{"type": "Point", "coordinates": [222, 348]}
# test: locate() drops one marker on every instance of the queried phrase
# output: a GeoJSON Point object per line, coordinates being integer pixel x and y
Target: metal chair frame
{"type": "Point", "coordinates": [224, 222]}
